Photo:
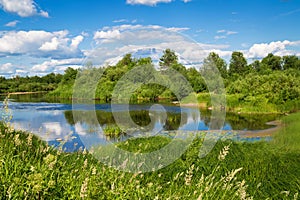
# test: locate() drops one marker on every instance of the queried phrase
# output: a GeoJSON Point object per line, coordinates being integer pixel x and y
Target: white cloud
{"type": "Point", "coordinates": [227, 32]}
{"type": "Point", "coordinates": [147, 2]}
{"type": "Point", "coordinates": [231, 32]}
{"type": "Point", "coordinates": [186, 1]}
{"type": "Point", "coordinates": [50, 46]}
{"type": "Point", "coordinates": [278, 48]}
{"type": "Point", "coordinates": [111, 34]}
{"type": "Point", "coordinates": [133, 38]}
{"type": "Point", "coordinates": [120, 20]}
{"type": "Point", "coordinates": [218, 37]}
{"type": "Point", "coordinates": [221, 31]}
{"type": "Point", "coordinates": [7, 68]}
{"type": "Point", "coordinates": [57, 66]}
{"type": "Point", "coordinates": [12, 23]}
{"type": "Point", "coordinates": [224, 33]}
{"type": "Point", "coordinates": [177, 29]}
{"type": "Point", "coordinates": [23, 8]}
{"type": "Point", "coordinates": [76, 41]}
{"type": "Point", "coordinates": [39, 44]}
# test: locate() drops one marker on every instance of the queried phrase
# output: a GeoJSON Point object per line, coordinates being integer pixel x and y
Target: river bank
{"type": "Point", "coordinates": [22, 93]}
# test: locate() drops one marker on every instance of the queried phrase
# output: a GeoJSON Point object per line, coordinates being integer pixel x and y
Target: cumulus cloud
{"type": "Point", "coordinates": [23, 8]}
{"type": "Point", "coordinates": [12, 23]}
{"type": "Point", "coordinates": [110, 34]}
{"type": "Point", "coordinates": [7, 68]}
{"type": "Point", "coordinates": [147, 2]}
{"type": "Point", "coordinates": [57, 66]}
{"type": "Point", "coordinates": [40, 44]}
{"type": "Point", "coordinates": [116, 41]}
{"type": "Point", "coordinates": [279, 48]}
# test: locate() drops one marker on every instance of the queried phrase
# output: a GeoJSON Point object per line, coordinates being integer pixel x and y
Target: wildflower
{"type": "Point", "coordinates": [94, 171]}
{"type": "Point", "coordinates": [231, 175]}
{"type": "Point", "coordinates": [113, 186]}
{"type": "Point", "coordinates": [84, 151]}
{"type": "Point", "coordinates": [84, 187]}
{"type": "Point", "coordinates": [189, 175]}
{"type": "Point", "coordinates": [29, 139]}
{"type": "Point", "coordinates": [224, 152]}
{"type": "Point", "coordinates": [296, 196]}
{"type": "Point", "coordinates": [17, 140]}
{"type": "Point", "coordinates": [50, 160]}
{"type": "Point", "coordinates": [200, 196]}
{"type": "Point", "coordinates": [242, 190]}
{"type": "Point", "coordinates": [32, 168]}
{"type": "Point", "coordinates": [150, 184]}
{"type": "Point", "coordinates": [85, 163]}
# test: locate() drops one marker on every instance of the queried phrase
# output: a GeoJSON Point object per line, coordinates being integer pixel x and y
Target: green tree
{"type": "Point", "coordinates": [214, 59]}
{"type": "Point", "coordinates": [238, 63]}
{"type": "Point", "coordinates": [291, 62]}
{"type": "Point", "coordinates": [168, 59]}
{"type": "Point", "coordinates": [272, 62]}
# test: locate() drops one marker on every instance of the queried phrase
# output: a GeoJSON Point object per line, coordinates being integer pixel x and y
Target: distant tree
{"type": "Point", "coordinates": [127, 61]}
{"type": "Point", "coordinates": [214, 59]}
{"type": "Point", "coordinates": [238, 63]}
{"type": "Point", "coordinates": [256, 66]}
{"type": "Point", "coordinates": [291, 62]}
{"type": "Point", "coordinates": [69, 75]}
{"type": "Point", "coordinates": [272, 62]}
{"type": "Point", "coordinates": [196, 80]}
{"type": "Point", "coordinates": [168, 59]}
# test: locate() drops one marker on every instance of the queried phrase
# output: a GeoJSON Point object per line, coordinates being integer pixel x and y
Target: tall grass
{"type": "Point", "coordinates": [288, 137]}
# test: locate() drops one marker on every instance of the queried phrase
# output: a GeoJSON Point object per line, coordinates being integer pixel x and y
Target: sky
{"type": "Point", "coordinates": [38, 37]}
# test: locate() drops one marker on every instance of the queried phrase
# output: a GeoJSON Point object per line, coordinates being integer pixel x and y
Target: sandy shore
{"type": "Point", "coordinates": [262, 133]}
{"type": "Point", "coordinates": [18, 93]}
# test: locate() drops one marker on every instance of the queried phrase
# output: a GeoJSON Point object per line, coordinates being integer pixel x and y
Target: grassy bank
{"type": "Point", "coordinates": [288, 138]}
{"type": "Point", "coordinates": [30, 169]}
{"type": "Point", "coordinates": [239, 103]}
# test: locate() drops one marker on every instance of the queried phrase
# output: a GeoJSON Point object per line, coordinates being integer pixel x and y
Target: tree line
{"type": "Point", "coordinates": [48, 82]}
{"type": "Point", "coordinates": [274, 80]}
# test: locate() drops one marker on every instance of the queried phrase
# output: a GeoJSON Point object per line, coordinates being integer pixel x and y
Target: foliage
{"type": "Point", "coordinates": [112, 131]}
{"type": "Point", "coordinates": [238, 63]}
{"type": "Point", "coordinates": [30, 84]}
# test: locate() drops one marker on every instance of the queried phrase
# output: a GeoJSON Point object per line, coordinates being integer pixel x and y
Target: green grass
{"type": "Point", "coordinates": [112, 131]}
{"type": "Point", "coordinates": [288, 138]}
{"type": "Point", "coordinates": [30, 169]}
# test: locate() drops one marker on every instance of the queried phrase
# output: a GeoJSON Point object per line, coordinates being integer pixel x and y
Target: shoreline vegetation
{"type": "Point", "coordinates": [232, 170]}
{"type": "Point", "coordinates": [267, 86]}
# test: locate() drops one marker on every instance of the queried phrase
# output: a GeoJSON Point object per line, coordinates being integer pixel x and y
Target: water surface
{"type": "Point", "coordinates": [58, 121]}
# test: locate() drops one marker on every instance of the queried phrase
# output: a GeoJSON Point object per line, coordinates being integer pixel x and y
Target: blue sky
{"type": "Point", "coordinates": [42, 36]}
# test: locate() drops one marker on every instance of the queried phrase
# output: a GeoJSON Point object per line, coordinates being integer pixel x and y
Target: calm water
{"type": "Point", "coordinates": [54, 122]}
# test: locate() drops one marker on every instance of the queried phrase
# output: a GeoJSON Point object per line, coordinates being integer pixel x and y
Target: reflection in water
{"type": "Point", "coordinates": [54, 122]}
{"type": "Point", "coordinates": [141, 118]}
